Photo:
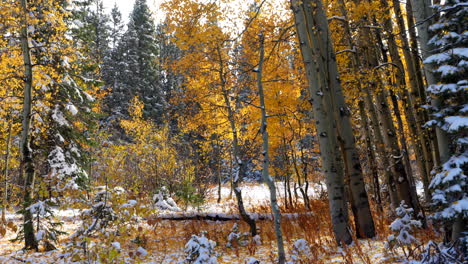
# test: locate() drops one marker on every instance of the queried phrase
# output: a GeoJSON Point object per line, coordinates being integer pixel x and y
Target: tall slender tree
{"type": "Point", "coordinates": [27, 163]}
{"type": "Point", "coordinates": [266, 157]}
{"type": "Point", "coordinates": [309, 18]}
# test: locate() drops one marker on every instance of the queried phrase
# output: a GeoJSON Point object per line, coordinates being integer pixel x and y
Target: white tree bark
{"type": "Point", "coordinates": [5, 171]}
{"type": "Point", "coordinates": [27, 165]}
{"type": "Point", "coordinates": [237, 178]}
{"type": "Point", "coordinates": [266, 160]}
{"type": "Point", "coordinates": [320, 94]}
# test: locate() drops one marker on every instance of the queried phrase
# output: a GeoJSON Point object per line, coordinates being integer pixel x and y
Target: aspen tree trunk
{"type": "Point", "coordinates": [237, 178]}
{"type": "Point", "coordinates": [27, 165]}
{"type": "Point", "coordinates": [370, 155]}
{"type": "Point", "coordinates": [352, 164]}
{"type": "Point", "coordinates": [218, 169]}
{"type": "Point", "coordinates": [5, 173]}
{"type": "Point", "coordinates": [382, 150]}
{"type": "Point", "coordinates": [266, 161]}
{"type": "Point", "coordinates": [399, 174]}
{"type": "Point", "coordinates": [403, 140]}
{"type": "Point", "coordinates": [235, 152]}
{"type": "Point", "coordinates": [401, 178]}
{"type": "Point", "coordinates": [381, 135]}
{"type": "Point", "coordinates": [219, 174]}
{"type": "Point", "coordinates": [400, 82]}
{"type": "Point", "coordinates": [320, 97]}
{"type": "Point", "coordinates": [353, 168]}
{"type": "Point", "coordinates": [287, 183]}
{"type": "Point", "coordinates": [230, 173]}
{"type": "Point", "coordinates": [290, 194]}
{"type": "Point", "coordinates": [356, 65]}
{"type": "Point", "coordinates": [413, 112]}
{"type": "Point", "coordinates": [304, 185]}
{"type": "Point", "coordinates": [405, 183]}
{"type": "Point", "coordinates": [287, 180]}
{"type": "Point", "coordinates": [298, 185]}
{"type": "Point", "coordinates": [423, 15]}
{"type": "Point", "coordinates": [367, 52]}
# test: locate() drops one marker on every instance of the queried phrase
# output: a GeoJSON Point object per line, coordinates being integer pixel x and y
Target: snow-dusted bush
{"type": "Point", "coordinates": [47, 229]}
{"type": "Point", "coordinates": [200, 250]}
{"type": "Point", "coordinates": [113, 218]}
{"type": "Point", "coordinates": [236, 238]}
{"type": "Point", "coordinates": [163, 201]}
{"type": "Point", "coordinates": [300, 252]}
{"type": "Point", "coordinates": [402, 229]}
{"type": "Point", "coordinates": [257, 240]}
{"type": "Point", "coordinates": [101, 212]}
{"type": "Point", "coordinates": [441, 254]}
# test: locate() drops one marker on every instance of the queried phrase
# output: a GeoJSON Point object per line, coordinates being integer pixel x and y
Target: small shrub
{"type": "Point", "coordinates": [163, 201]}
{"type": "Point", "coordinates": [300, 252]}
{"type": "Point", "coordinates": [236, 238]}
{"type": "Point", "coordinates": [200, 250]}
{"type": "Point", "coordinates": [402, 228]}
{"type": "Point", "coordinates": [112, 219]}
{"type": "Point", "coordinates": [434, 253]}
{"type": "Point", "coordinates": [47, 228]}
{"type": "Point", "coordinates": [189, 195]}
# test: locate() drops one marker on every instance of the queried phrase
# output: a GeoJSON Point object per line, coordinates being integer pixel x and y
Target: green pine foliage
{"type": "Point", "coordinates": [136, 68]}
{"type": "Point", "coordinates": [450, 66]}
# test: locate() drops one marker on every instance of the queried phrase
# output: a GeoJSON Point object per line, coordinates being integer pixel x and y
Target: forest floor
{"type": "Point", "coordinates": [164, 240]}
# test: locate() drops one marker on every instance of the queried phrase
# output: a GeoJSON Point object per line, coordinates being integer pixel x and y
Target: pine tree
{"type": "Point", "coordinates": [91, 31]}
{"type": "Point", "coordinates": [170, 81]}
{"type": "Point", "coordinates": [450, 67]}
{"type": "Point", "coordinates": [112, 67]}
{"type": "Point", "coordinates": [117, 25]}
{"type": "Point", "coordinates": [138, 67]}
{"type": "Point", "coordinates": [55, 129]}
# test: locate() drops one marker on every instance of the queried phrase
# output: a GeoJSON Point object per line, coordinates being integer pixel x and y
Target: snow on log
{"type": "Point", "coordinates": [223, 216]}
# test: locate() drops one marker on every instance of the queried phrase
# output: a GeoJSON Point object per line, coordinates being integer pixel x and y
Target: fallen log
{"type": "Point", "coordinates": [223, 216]}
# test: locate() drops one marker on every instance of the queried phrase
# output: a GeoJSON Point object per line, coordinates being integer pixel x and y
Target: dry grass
{"type": "Point", "coordinates": [165, 239]}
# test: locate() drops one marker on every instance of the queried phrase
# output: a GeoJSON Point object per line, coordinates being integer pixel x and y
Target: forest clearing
{"type": "Point", "coordinates": [234, 131]}
{"type": "Point", "coordinates": [164, 240]}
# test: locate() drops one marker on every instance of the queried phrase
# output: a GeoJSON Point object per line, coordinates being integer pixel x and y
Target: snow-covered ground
{"type": "Point", "coordinates": [65, 215]}
{"type": "Point", "coordinates": [253, 196]}
{"type": "Point", "coordinates": [171, 249]}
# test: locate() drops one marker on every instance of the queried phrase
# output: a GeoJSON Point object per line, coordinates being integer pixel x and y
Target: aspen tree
{"type": "Point", "coordinates": [356, 65]}
{"type": "Point", "coordinates": [358, 194]}
{"type": "Point", "coordinates": [321, 100]}
{"type": "Point", "coordinates": [415, 115]}
{"type": "Point", "coordinates": [266, 159]}
{"type": "Point", "coordinates": [408, 102]}
{"type": "Point", "coordinates": [27, 165]}
{"type": "Point", "coordinates": [430, 134]}
{"type": "Point", "coordinates": [6, 171]}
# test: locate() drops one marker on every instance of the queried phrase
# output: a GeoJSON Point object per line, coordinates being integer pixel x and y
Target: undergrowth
{"type": "Point", "coordinates": [131, 234]}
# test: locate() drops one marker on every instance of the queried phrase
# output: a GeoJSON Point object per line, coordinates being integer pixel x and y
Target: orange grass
{"type": "Point", "coordinates": [165, 239]}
